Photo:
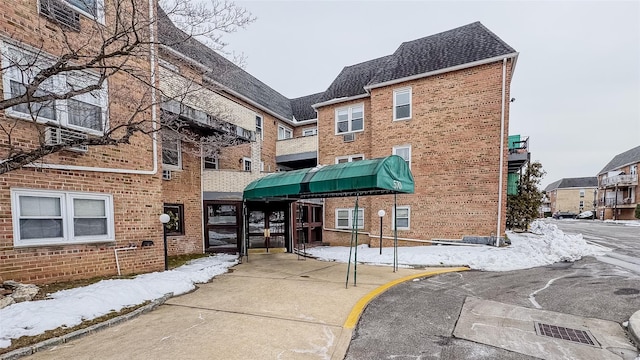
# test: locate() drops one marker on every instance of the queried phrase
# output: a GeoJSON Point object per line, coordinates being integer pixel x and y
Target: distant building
{"type": "Point", "coordinates": [618, 186]}
{"type": "Point", "coordinates": [573, 195]}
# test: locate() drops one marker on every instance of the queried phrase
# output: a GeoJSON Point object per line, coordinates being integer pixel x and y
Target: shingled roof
{"type": "Point", "coordinates": [463, 45]}
{"type": "Point", "coordinates": [581, 182]}
{"type": "Point", "coordinates": [302, 109]}
{"type": "Point", "coordinates": [352, 79]}
{"type": "Point", "coordinates": [224, 72]}
{"type": "Point", "coordinates": [620, 160]}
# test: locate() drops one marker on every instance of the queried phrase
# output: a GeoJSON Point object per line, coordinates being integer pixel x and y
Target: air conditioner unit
{"type": "Point", "coordinates": [60, 136]}
{"type": "Point", "coordinates": [60, 13]}
{"type": "Point", "coordinates": [349, 137]}
{"type": "Point", "coordinates": [166, 174]}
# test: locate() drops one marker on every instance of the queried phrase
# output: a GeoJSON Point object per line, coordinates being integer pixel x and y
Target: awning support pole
{"type": "Point", "coordinates": [355, 256]}
{"type": "Point", "coordinates": [245, 231]}
{"type": "Point", "coordinates": [395, 232]}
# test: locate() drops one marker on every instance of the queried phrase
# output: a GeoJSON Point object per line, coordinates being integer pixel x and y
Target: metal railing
{"type": "Point", "coordinates": [518, 147]}
{"type": "Point", "coordinates": [619, 180]}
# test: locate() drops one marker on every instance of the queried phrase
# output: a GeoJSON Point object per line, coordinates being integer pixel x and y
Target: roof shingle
{"type": "Point", "coordinates": [618, 161]}
{"type": "Point", "coordinates": [581, 182]}
{"type": "Point", "coordinates": [302, 109]}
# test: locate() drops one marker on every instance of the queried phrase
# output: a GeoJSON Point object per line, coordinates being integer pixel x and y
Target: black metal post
{"type": "Point", "coordinates": [166, 257]}
{"type": "Point", "coordinates": [380, 235]}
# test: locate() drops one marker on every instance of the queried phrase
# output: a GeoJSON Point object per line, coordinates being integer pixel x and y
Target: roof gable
{"type": "Point", "coordinates": [352, 79]}
{"type": "Point", "coordinates": [302, 107]}
{"type": "Point", "coordinates": [463, 45]}
{"type": "Point", "coordinates": [565, 183]}
{"type": "Point", "coordinates": [622, 159]}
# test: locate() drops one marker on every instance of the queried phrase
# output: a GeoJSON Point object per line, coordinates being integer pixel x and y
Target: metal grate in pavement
{"type": "Point", "coordinates": [559, 332]}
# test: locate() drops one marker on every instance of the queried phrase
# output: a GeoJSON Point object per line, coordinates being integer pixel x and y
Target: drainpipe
{"type": "Point", "coordinates": [501, 170]}
{"type": "Point", "coordinates": [115, 251]}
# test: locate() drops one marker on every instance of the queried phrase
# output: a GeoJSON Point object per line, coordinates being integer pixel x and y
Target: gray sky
{"type": "Point", "coordinates": [576, 84]}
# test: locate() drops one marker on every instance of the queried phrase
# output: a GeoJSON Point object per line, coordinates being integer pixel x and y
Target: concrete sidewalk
{"type": "Point", "coordinates": [272, 307]}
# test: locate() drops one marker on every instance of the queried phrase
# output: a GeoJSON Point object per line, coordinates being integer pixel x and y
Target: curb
{"type": "Point", "coordinates": [43, 345]}
{"type": "Point", "coordinates": [634, 328]}
{"type": "Point", "coordinates": [359, 307]}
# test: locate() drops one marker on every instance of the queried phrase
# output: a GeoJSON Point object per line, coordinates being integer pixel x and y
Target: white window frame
{"type": "Point", "coordinates": [310, 131]}
{"type": "Point", "coordinates": [261, 126]}
{"type": "Point", "coordinates": [179, 150]}
{"type": "Point", "coordinates": [98, 98]}
{"type": "Point", "coordinates": [285, 130]}
{"type": "Point", "coordinates": [351, 212]}
{"type": "Point", "coordinates": [246, 161]}
{"type": "Point", "coordinates": [211, 160]}
{"type": "Point", "coordinates": [99, 16]}
{"type": "Point", "coordinates": [394, 151]}
{"type": "Point", "coordinates": [581, 193]}
{"type": "Point", "coordinates": [393, 217]}
{"type": "Point", "coordinates": [349, 158]}
{"type": "Point", "coordinates": [633, 170]}
{"type": "Point", "coordinates": [67, 216]}
{"type": "Point", "coordinates": [349, 119]}
{"type": "Point", "coordinates": [395, 103]}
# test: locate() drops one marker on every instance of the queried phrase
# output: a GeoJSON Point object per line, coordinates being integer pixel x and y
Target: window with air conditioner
{"type": "Point", "coordinates": [171, 151]}
{"type": "Point", "coordinates": [84, 112]}
{"type": "Point", "coordinates": [58, 218]}
{"type": "Point", "coordinates": [345, 218]}
{"type": "Point", "coordinates": [350, 119]}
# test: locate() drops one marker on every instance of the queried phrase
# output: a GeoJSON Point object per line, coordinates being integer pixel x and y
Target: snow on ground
{"type": "Point", "coordinates": [70, 307]}
{"type": "Point", "coordinates": [624, 222]}
{"type": "Point", "coordinates": [546, 244]}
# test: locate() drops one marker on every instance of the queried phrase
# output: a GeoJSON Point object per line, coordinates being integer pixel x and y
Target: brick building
{"type": "Point", "coordinates": [63, 216]}
{"type": "Point", "coordinates": [572, 195]}
{"type": "Point", "coordinates": [618, 186]}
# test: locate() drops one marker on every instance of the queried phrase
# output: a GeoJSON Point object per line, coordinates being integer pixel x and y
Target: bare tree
{"type": "Point", "coordinates": [67, 77]}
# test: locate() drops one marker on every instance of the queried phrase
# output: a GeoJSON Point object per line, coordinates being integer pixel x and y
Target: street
{"type": "Point", "coordinates": [416, 320]}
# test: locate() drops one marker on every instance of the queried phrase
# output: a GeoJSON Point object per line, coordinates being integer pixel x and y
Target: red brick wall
{"type": "Point", "coordinates": [454, 135]}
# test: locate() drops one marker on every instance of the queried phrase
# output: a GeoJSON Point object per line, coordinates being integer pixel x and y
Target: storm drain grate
{"type": "Point", "coordinates": [559, 332]}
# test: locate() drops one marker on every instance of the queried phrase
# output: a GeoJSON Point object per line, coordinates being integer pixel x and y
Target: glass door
{"type": "Point", "coordinates": [222, 224]}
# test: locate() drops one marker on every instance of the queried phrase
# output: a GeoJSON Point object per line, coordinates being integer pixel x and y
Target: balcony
{"type": "Point", "coordinates": [619, 181]}
{"type": "Point", "coordinates": [618, 202]}
{"type": "Point", "coordinates": [518, 152]}
{"type": "Point", "coordinates": [297, 153]}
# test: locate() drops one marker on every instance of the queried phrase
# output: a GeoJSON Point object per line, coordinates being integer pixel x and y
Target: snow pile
{"type": "Point", "coordinates": [547, 246]}
{"type": "Point", "coordinates": [624, 222]}
{"type": "Point", "coordinates": [71, 307]}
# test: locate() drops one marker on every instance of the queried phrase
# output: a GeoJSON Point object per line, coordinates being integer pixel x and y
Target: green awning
{"type": "Point", "coordinates": [387, 175]}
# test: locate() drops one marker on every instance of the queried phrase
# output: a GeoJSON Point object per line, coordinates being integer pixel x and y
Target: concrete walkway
{"type": "Point", "coordinates": [272, 307]}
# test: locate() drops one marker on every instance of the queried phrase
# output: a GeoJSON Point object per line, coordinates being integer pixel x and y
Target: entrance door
{"type": "Point", "coordinates": [222, 226]}
{"type": "Point", "coordinates": [267, 229]}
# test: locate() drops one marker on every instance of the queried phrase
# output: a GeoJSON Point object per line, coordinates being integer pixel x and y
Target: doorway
{"type": "Point", "coordinates": [222, 226]}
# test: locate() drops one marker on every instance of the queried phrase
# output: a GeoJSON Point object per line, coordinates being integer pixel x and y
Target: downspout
{"type": "Point", "coordinates": [501, 170]}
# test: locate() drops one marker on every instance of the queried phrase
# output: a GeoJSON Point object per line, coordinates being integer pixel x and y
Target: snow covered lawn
{"type": "Point", "coordinates": [546, 245]}
{"type": "Point", "coordinates": [71, 307]}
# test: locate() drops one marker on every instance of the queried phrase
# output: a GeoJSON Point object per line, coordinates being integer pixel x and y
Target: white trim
{"type": "Point", "coordinates": [349, 158]}
{"type": "Point", "coordinates": [285, 129]}
{"type": "Point", "coordinates": [339, 100]}
{"type": "Point", "coordinates": [440, 71]}
{"type": "Point", "coordinates": [393, 217]}
{"type": "Point", "coordinates": [66, 215]}
{"type": "Point", "coordinates": [349, 109]}
{"type": "Point", "coordinates": [313, 131]}
{"type": "Point", "coordinates": [246, 160]}
{"type": "Point", "coordinates": [395, 94]}
{"type": "Point", "coordinates": [99, 16]}
{"type": "Point", "coordinates": [405, 146]}
{"type": "Point", "coordinates": [350, 218]}
{"type": "Point", "coordinates": [178, 149]}
{"type": "Point", "coordinates": [502, 141]}
{"type": "Point", "coordinates": [261, 127]}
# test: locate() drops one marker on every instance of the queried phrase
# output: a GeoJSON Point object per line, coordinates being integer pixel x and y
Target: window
{"type": "Point", "coordinates": [53, 217]}
{"type": "Point", "coordinates": [259, 126]}
{"type": "Point", "coordinates": [91, 8]}
{"type": "Point", "coordinates": [402, 104]}
{"type": "Point", "coordinates": [84, 112]}
{"type": "Point", "coordinates": [349, 158]}
{"type": "Point", "coordinates": [345, 218]}
{"type": "Point", "coordinates": [634, 169]}
{"type": "Point", "coordinates": [404, 151]}
{"type": "Point", "coordinates": [284, 133]}
{"type": "Point", "coordinates": [403, 214]}
{"type": "Point", "coordinates": [350, 119]}
{"type": "Point", "coordinates": [581, 204]}
{"type": "Point", "coordinates": [175, 226]}
{"type": "Point", "coordinates": [310, 132]}
{"type": "Point", "coordinates": [211, 163]}
{"type": "Point", "coordinates": [247, 164]}
{"type": "Point", "coordinates": [171, 151]}
{"type": "Point", "coordinates": [581, 193]}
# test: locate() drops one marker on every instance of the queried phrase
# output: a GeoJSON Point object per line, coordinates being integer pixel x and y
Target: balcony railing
{"type": "Point", "coordinates": [519, 147]}
{"type": "Point", "coordinates": [619, 202]}
{"type": "Point", "coordinates": [620, 180]}
{"type": "Point", "coordinates": [297, 145]}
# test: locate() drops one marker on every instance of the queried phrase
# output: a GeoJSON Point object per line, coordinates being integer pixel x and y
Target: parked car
{"type": "Point", "coordinates": [564, 215]}
{"type": "Point", "coordinates": [585, 215]}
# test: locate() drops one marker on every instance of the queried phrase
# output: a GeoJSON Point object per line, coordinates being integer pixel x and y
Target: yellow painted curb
{"type": "Point", "coordinates": [358, 308]}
